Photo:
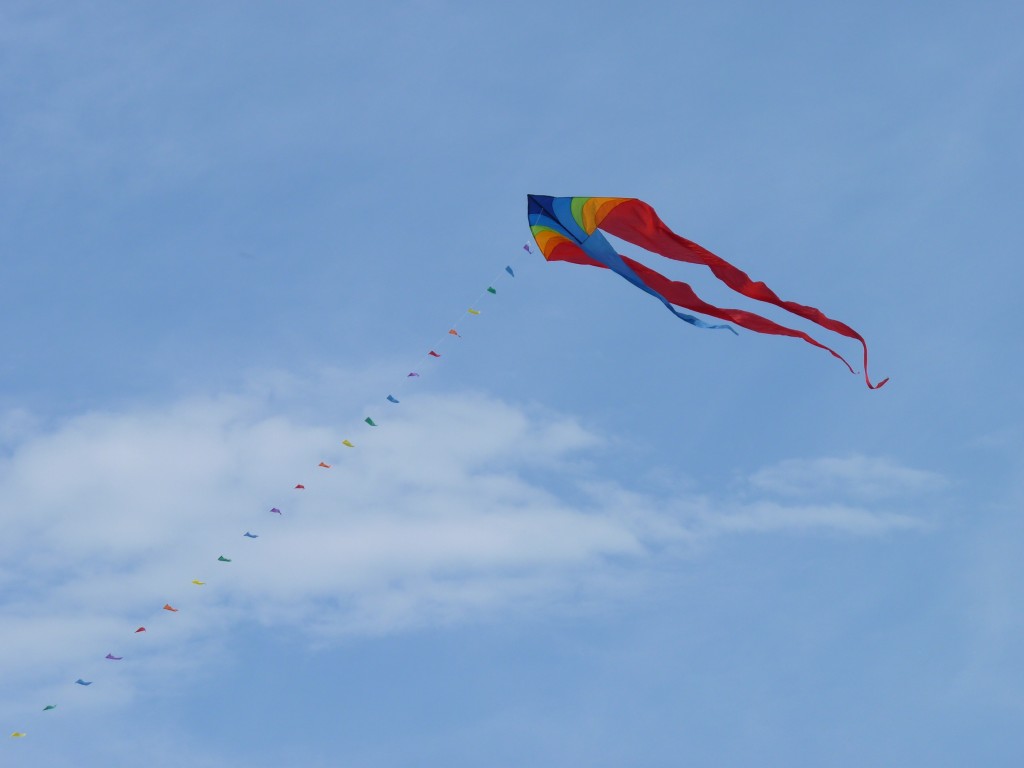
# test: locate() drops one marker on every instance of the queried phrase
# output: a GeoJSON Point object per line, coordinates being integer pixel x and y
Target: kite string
{"type": "Point", "coordinates": [498, 280]}
{"type": "Point", "coordinates": [444, 339]}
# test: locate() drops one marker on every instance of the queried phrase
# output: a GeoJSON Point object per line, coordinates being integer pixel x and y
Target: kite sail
{"type": "Point", "coordinates": [571, 229]}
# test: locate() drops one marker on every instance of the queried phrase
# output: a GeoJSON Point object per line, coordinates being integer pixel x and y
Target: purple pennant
{"type": "Point", "coordinates": [527, 248]}
{"type": "Point", "coordinates": [276, 511]}
{"type": "Point", "coordinates": [412, 374]}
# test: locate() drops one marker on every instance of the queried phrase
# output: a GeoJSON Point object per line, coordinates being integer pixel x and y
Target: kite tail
{"type": "Point", "coordinates": [636, 222]}
{"type": "Point", "coordinates": [683, 295]}
{"type": "Point", "coordinates": [573, 254]}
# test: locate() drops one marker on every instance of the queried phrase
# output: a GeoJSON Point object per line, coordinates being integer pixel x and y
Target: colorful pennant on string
{"type": "Point", "coordinates": [491, 290]}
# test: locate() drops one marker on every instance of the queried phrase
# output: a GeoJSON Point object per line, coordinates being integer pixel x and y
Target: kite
{"type": "Point", "coordinates": [491, 290]}
{"type": "Point", "coordinates": [455, 333]}
{"type": "Point", "coordinates": [223, 559]}
{"type": "Point", "coordinates": [391, 399]}
{"type": "Point", "coordinates": [412, 374]}
{"type": "Point", "coordinates": [80, 681]}
{"type": "Point", "coordinates": [49, 707]}
{"type": "Point", "coordinates": [525, 248]}
{"type": "Point", "coordinates": [199, 583]}
{"type": "Point", "coordinates": [509, 269]}
{"type": "Point", "coordinates": [347, 443]}
{"type": "Point", "coordinates": [300, 487]}
{"type": "Point", "coordinates": [473, 311]}
{"type": "Point", "coordinates": [140, 629]}
{"type": "Point", "coordinates": [167, 607]}
{"type": "Point", "coordinates": [275, 511]}
{"type": "Point", "coordinates": [432, 353]}
{"type": "Point", "coordinates": [112, 657]}
{"type": "Point", "coordinates": [324, 465]}
{"type": "Point", "coordinates": [370, 421]}
{"type": "Point", "coordinates": [251, 535]}
{"type": "Point", "coordinates": [572, 229]}
{"type": "Point", "coordinates": [18, 735]}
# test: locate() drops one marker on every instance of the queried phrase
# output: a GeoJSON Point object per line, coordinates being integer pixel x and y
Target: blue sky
{"type": "Point", "coordinates": [590, 534]}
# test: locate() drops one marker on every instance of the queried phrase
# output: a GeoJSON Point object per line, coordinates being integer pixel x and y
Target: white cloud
{"type": "Point", "coordinates": [763, 517]}
{"type": "Point", "coordinates": [859, 477]}
{"type": "Point", "coordinates": [456, 507]}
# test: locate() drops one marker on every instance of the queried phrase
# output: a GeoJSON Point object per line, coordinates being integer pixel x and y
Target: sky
{"type": "Point", "coordinates": [589, 533]}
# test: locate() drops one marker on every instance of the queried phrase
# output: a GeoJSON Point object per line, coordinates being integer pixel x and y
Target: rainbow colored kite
{"type": "Point", "coordinates": [570, 229]}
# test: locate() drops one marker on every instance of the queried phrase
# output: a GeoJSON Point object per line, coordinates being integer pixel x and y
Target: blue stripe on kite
{"type": "Point", "coordinates": [562, 207]}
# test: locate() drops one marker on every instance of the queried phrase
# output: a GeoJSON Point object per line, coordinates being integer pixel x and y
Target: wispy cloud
{"type": "Point", "coordinates": [455, 508]}
{"type": "Point", "coordinates": [858, 477]}
{"type": "Point", "coordinates": [765, 516]}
